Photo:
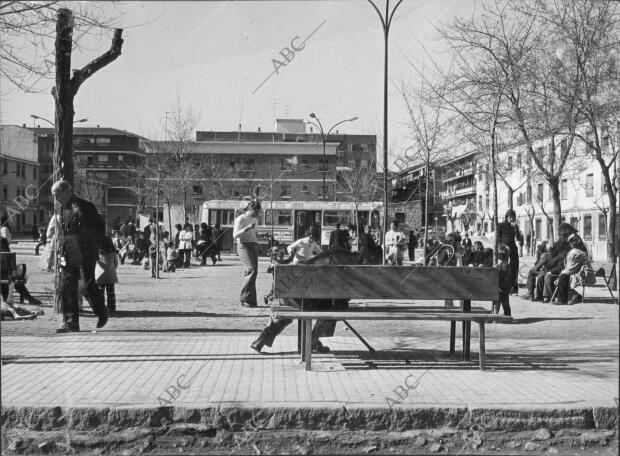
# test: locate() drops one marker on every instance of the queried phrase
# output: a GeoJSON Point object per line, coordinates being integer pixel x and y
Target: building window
{"type": "Point", "coordinates": [35, 172]}
{"type": "Point", "coordinates": [285, 164]}
{"type": "Point", "coordinates": [5, 193]}
{"type": "Point", "coordinates": [540, 154]}
{"type": "Point", "coordinates": [248, 165]}
{"type": "Point", "coordinates": [480, 203]}
{"type": "Point", "coordinates": [102, 158]}
{"type": "Point", "coordinates": [541, 193]}
{"type": "Point", "coordinates": [574, 222]}
{"type": "Point", "coordinates": [538, 229]}
{"type": "Point", "coordinates": [285, 191]}
{"type": "Point", "coordinates": [304, 188]}
{"type": "Point", "coordinates": [197, 190]}
{"type": "Point", "coordinates": [590, 185]}
{"type": "Point", "coordinates": [605, 144]}
{"type": "Point", "coordinates": [509, 163]}
{"type": "Point", "coordinates": [102, 140]}
{"type": "Point", "coordinates": [519, 160]}
{"type": "Point", "coordinates": [5, 167]}
{"type": "Point", "coordinates": [323, 164]}
{"type": "Point", "coordinates": [563, 185]}
{"type": "Point", "coordinates": [120, 158]}
{"type": "Point", "coordinates": [486, 202]}
{"type": "Point", "coordinates": [363, 164]}
{"type": "Point", "coordinates": [563, 146]}
{"type": "Point", "coordinates": [587, 227]}
{"type": "Point", "coordinates": [351, 164]}
{"type": "Point", "coordinates": [303, 161]}
{"type": "Point", "coordinates": [602, 226]}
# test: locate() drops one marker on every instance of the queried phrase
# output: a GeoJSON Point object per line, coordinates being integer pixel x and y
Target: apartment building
{"type": "Point", "coordinates": [104, 160]}
{"type": "Point", "coordinates": [19, 171]}
{"type": "Point", "coordinates": [583, 196]}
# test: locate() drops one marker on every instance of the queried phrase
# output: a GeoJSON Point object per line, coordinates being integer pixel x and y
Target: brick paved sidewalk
{"type": "Point", "coordinates": [125, 370]}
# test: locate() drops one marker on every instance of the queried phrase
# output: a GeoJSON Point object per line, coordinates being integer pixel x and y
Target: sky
{"type": "Point", "coordinates": [217, 58]}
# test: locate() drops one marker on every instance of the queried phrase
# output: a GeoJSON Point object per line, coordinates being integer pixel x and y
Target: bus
{"type": "Point", "coordinates": [287, 221]}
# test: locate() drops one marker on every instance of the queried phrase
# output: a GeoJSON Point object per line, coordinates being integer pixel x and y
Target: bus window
{"type": "Point", "coordinates": [222, 216]}
{"type": "Point", "coordinates": [330, 218]}
{"type": "Point", "coordinates": [280, 217]}
{"type": "Point", "coordinates": [374, 220]}
{"type": "Point", "coordinates": [362, 219]}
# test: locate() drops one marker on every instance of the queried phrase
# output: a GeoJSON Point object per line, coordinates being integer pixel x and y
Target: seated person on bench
{"type": "Point", "coordinates": [537, 274]}
{"type": "Point", "coordinates": [18, 273]}
{"type": "Point", "coordinates": [303, 250]}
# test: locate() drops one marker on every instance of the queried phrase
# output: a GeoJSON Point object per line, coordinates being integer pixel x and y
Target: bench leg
{"type": "Point", "coordinates": [482, 348]}
{"type": "Point", "coordinates": [468, 341]}
{"type": "Point", "coordinates": [299, 336]}
{"type": "Point", "coordinates": [362, 340]}
{"type": "Point", "coordinates": [452, 335]}
{"type": "Point", "coordinates": [302, 339]}
{"type": "Point", "coordinates": [308, 324]}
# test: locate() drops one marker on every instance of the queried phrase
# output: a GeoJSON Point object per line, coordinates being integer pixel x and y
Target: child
{"type": "Point", "coordinates": [172, 257]}
{"type": "Point", "coordinates": [105, 271]}
{"type": "Point", "coordinates": [153, 259]}
{"type": "Point", "coordinates": [505, 284]}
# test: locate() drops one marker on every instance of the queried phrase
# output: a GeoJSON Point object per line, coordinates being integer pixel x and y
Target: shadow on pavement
{"type": "Point", "coordinates": [169, 314]}
{"type": "Point", "coordinates": [527, 321]}
{"type": "Point", "coordinates": [437, 359]}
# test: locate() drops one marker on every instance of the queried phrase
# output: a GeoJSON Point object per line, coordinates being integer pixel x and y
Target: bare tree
{"type": "Point", "coordinates": [358, 185]}
{"type": "Point", "coordinates": [587, 36]}
{"type": "Point", "coordinates": [28, 33]}
{"type": "Point", "coordinates": [428, 125]}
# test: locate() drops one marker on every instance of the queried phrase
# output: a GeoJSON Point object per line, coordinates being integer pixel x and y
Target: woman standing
{"type": "Point", "coordinates": [247, 246]}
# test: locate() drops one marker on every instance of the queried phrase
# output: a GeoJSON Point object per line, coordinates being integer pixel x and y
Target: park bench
{"type": "Point", "coordinates": [607, 272]}
{"type": "Point", "coordinates": [408, 283]}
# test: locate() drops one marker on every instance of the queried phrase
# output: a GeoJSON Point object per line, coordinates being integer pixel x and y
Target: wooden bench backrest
{"type": "Point", "coordinates": [609, 268]}
{"type": "Point", "coordinates": [386, 282]}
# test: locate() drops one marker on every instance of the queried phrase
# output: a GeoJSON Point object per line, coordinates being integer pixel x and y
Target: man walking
{"type": "Point", "coordinates": [82, 232]}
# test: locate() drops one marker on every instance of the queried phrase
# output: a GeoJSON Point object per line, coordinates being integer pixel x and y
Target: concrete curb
{"type": "Point", "coordinates": [235, 419]}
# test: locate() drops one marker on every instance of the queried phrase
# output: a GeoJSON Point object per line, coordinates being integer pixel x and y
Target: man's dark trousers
{"type": "Point", "coordinates": [70, 283]}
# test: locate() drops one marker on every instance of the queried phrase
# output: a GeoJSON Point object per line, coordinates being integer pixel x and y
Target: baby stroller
{"type": "Point", "coordinates": [278, 255]}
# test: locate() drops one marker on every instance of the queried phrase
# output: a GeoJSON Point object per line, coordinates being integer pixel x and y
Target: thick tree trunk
{"type": "Point", "coordinates": [613, 236]}
{"type": "Point", "coordinates": [554, 187]}
{"type": "Point", "coordinates": [425, 215]}
{"type": "Point", "coordinates": [64, 94]}
{"type": "Point", "coordinates": [510, 196]}
{"type": "Point", "coordinates": [494, 179]}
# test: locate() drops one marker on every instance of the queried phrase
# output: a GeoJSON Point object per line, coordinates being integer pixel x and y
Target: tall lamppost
{"type": "Point", "coordinates": [34, 117]}
{"type": "Point", "coordinates": [385, 22]}
{"type": "Point", "coordinates": [324, 138]}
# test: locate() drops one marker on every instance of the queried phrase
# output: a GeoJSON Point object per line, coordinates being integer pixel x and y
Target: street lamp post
{"type": "Point", "coordinates": [34, 117]}
{"type": "Point", "coordinates": [386, 22]}
{"type": "Point", "coordinates": [324, 138]}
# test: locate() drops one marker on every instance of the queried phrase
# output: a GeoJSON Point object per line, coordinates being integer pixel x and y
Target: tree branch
{"type": "Point", "coordinates": [79, 76]}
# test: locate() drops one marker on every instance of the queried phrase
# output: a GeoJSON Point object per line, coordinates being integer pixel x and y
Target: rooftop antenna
{"type": "Point", "coordinates": [240, 119]}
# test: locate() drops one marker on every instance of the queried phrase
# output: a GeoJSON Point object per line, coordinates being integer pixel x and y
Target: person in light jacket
{"type": "Point", "coordinates": [185, 244]}
{"type": "Point", "coordinates": [577, 269]}
{"type": "Point", "coordinates": [306, 247]}
{"type": "Point", "coordinates": [247, 246]}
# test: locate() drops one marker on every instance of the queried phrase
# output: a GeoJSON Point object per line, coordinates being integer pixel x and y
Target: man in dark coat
{"type": "Point", "coordinates": [338, 238]}
{"type": "Point", "coordinates": [508, 234]}
{"type": "Point", "coordinates": [412, 244]}
{"type": "Point", "coordinates": [82, 232]}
